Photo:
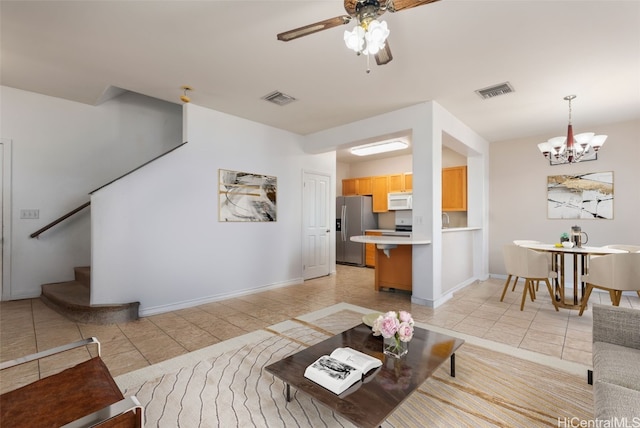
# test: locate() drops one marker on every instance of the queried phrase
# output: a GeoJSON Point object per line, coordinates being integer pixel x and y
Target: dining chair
{"type": "Point", "coordinates": [525, 242]}
{"type": "Point", "coordinates": [614, 273]}
{"type": "Point", "coordinates": [531, 265]}
{"type": "Point", "coordinates": [509, 264]}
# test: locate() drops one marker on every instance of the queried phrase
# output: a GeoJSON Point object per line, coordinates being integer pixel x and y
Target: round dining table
{"type": "Point", "coordinates": [580, 267]}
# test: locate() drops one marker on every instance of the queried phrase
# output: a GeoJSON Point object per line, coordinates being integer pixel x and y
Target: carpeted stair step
{"type": "Point", "coordinates": [72, 299]}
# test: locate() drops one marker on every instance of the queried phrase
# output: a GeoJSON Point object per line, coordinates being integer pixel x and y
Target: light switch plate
{"type": "Point", "coordinates": [31, 214]}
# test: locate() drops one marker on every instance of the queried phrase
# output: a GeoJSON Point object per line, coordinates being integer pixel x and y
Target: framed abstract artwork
{"type": "Point", "coordinates": [580, 196]}
{"type": "Point", "coordinates": [245, 196]}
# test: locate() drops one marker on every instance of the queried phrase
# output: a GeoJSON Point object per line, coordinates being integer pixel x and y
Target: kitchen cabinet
{"type": "Point", "coordinates": [380, 185]}
{"type": "Point", "coordinates": [349, 186]}
{"type": "Point", "coordinates": [408, 182]}
{"type": "Point", "coordinates": [454, 188]}
{"type": "Point", "coordinates": [364, 186]}
{"type": "Point", "coordinates": [395, 271]}
{"type": "Point", "coordinates": [370, 251]}
{"type": "Point", "coordinates": [398, 183]}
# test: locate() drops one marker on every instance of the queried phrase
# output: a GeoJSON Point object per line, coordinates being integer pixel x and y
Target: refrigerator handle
{"type": "Point", "coordinates": [345, 223]}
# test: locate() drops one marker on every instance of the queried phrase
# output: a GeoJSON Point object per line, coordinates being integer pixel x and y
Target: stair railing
{"type": "Point", "coordinates": [59, 220]}
{"type": "Point", "coordinates": [85, 205]}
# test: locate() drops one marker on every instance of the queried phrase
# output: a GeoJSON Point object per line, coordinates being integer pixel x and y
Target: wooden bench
{"type": "Point", "coordinates": [82, 396]}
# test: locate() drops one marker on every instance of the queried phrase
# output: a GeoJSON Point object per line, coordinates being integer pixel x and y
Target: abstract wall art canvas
{"type": "Point", "coordinates": [580, 196]}
{"type": "Point", "coordinates": [246, 196]}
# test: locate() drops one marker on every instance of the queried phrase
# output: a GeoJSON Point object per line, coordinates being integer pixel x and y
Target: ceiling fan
{"type": "Point", "coordinates": [369, 36]}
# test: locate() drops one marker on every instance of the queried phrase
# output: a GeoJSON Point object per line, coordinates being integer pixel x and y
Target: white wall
{"type": "Point", "coordinates": [518, 201]}
{"type": "Point", "coordinates": [62, 150]}
{"type": "Point", "coordinates": [156, 234]}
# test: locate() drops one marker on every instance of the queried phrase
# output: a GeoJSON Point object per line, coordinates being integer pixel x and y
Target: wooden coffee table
{"type": "Point", "coordinates": [369, 403]}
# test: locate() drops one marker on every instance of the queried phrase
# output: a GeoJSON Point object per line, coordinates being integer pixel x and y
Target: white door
{"type": "Point", "coordinates": [5, 218]}
{"type": "Point", "coordinates": [316, 228]}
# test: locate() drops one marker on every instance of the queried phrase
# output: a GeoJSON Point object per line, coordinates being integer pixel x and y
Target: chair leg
{"type": "Point", "coordinates": [553, 296]}
{"type": "Point", "coordinates": [532, 291]}
{"type": "Point", "coordinates": [516, 281]}
{"type": "Point", "coordinates": [524, 293]}
{"type": "Point", "coordinates": [506, 285]}
{"type": "Point", "coordinates": [618, 296]}
{"type": "Point", "coordinates": [585, 298]}
{"type": "Point", "coordinates": [638, 293]}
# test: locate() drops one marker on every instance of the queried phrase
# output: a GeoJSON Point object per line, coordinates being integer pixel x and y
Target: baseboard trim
{"type": "Point", "coordinates": [155, 310]}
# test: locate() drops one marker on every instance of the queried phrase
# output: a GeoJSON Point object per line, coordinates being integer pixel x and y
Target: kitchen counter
{"type": "Point", "coordinates": [459, 229]}
{"type": "Point", "coordinates": [390, 240]}
{"type": "Point", "coordinates": [393, 259]}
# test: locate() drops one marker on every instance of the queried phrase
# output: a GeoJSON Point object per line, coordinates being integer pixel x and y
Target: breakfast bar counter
{"type": "Point", "coordinates": [393, 259]}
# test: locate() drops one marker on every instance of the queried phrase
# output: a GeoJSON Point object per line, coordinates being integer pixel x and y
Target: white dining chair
{"type": "Point", "coordinates": [614, 273]}
{"type": "Point", "coordinates": [531, 265]}
{"type": "Point", "coordinates": [525, 242]}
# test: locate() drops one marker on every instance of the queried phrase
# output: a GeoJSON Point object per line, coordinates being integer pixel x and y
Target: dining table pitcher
{"type": "Point", "coordinates": [576, 236]}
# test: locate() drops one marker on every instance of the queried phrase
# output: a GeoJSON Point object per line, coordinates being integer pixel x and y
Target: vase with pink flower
{"type": "Point", "coordinates": [396, 329]}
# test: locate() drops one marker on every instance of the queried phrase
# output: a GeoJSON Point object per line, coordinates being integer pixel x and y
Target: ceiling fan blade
{"type": "Point", "coordinates": [384, 55]}
{"type": "Point", "coordinates": [397, 5]}
{"type": "Point", "coordinates": [314, 28]}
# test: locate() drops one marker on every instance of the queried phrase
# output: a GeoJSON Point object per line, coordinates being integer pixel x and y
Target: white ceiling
{"type": "Point", "coordinates": [228, 52]}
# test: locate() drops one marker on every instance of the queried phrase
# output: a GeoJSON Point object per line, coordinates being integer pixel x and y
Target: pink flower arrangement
{"type": "Point", "coordinates": [394, 324]}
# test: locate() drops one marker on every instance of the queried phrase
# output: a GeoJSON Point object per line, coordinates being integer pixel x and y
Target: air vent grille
{"type": "Point", "coordinates": [496, 90]}
{"type": "Point", "coordinates": [279, 98]}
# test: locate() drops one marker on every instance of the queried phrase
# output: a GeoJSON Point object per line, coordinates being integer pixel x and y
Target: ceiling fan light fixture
{"type": "Point", "coordinates": [379, 147]}
{"type": "Point", "coordinates": [368, 37]}
{"type": "Point", "coordinates": [354, 39]}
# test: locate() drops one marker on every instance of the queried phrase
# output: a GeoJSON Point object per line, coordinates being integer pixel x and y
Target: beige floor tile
{"type": "Point", "coordinates": [577, 344]}
{"type": "Point", "coordinates": [578, 356]}
{"type": "Point", "coordinates": [508, 338]}
{"type": "Point", "coordinates": [475, 310]}
{"type": "Point", "coordinates": [159, 348]}
{"type": "Point", "coordinates": [545, 338]}
{"type": "Point", "coordinates": [125, 362]}
{"type": "Point", "coordinates": [541, 347]}
{"type": "Point", "coordinates": [18, 376]}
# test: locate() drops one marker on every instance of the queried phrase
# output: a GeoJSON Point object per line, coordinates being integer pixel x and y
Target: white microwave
{"type": "Point", "coordinates": [400, 201]}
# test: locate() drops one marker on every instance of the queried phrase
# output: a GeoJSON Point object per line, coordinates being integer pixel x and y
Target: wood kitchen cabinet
{"type": "Point", "coordinates": [349, 186]}
{"type": "Point", "coordinates": [370, 251]}
{"type": "Point", "coordinates": [400, 183]}
{"type": "Point", "coordinates": [454, 188]}
{"type": "Point", "coordinates": [380, 186]}
{"type": "Point", "coordinates": [364, 186]}
{"type": "Point", "coordinates": [357, 186]}
{"type": "Point", "coordinates": [408, 182]}
{"type": "Point", "coordinates": [394, 271]}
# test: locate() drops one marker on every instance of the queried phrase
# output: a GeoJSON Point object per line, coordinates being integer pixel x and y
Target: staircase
{"type": "Point", "coordinates": [71, 299]}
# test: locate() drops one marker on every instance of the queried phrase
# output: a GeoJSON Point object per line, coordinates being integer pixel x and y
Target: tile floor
{"type": "Point", "coordinates": [28, 326]}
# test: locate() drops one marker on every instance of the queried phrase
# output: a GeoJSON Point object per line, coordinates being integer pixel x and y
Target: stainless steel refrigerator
{"type": "Point", "coordinates": [354, 215]}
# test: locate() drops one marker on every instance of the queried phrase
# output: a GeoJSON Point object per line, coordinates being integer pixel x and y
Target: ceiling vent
{"type": "Point", "coordinates": [279, 98]}
{"type": "Point", "coordinates": [496, 90]}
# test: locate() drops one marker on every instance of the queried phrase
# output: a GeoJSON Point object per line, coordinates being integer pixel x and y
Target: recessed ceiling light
{"type": "Point", "coordinates": [379, 147]}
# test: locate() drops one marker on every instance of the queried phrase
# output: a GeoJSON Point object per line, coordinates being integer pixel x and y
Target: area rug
{"type": "Point", "coordinates": [225, 385]}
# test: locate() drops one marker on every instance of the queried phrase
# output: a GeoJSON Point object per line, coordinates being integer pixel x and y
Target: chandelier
{"type": "Point", "coordinates": [570, 149]}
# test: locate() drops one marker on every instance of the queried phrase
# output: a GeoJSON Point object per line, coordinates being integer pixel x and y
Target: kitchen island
{"type": "Point", "coordinates": [393, 259]}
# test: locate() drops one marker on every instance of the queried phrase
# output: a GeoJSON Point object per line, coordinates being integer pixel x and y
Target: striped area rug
{"type": "Point", "coordinates": [225, 386]}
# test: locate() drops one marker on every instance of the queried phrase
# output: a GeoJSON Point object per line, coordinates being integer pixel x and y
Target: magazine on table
{"type": "Point", "coordinates": [341, 370]}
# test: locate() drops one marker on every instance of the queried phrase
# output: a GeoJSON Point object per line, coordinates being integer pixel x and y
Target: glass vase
{"type": "Point", "coordinates": [394, 347]}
